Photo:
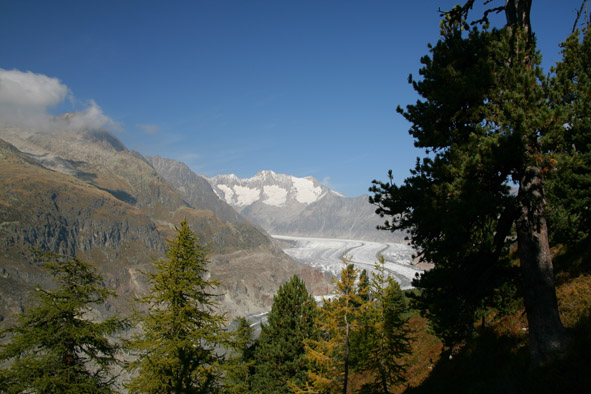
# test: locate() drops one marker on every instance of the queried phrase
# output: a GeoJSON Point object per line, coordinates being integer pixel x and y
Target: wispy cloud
{"type": "Point", "coordinates": [189, 157]}
{"type": "Point", "coordinates": [150, 129]}
{"type": "Point", "coordinates": [26, 97]}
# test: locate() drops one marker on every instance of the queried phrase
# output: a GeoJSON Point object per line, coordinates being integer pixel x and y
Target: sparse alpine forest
{"type": "Point", "coordinates": [499, 206]}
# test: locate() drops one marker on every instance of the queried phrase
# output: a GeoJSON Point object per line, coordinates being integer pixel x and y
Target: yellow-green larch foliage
{"type": "Point", "coordinates": [176, 348]}
{"type": "Point", "coordinates": [329, 355]}
{"type": "Point", "coordinates": [383, 335]}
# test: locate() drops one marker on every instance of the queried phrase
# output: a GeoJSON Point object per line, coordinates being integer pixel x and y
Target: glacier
{"type": "Point", "coordinates": [327, 255]}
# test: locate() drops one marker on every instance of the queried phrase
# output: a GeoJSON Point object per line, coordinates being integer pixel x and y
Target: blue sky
{"type": "Point", "coordinates": [307, 88]}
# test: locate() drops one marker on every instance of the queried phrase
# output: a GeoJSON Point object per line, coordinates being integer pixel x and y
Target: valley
{"type": "Point", "coordinates": [326, 254]}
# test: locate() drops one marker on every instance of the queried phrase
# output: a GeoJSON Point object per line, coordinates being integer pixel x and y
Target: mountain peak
{"type": "Point", "coordinates": [265, 173]}
{"type": "Point", "coordinates": [289, 205]}
{"type": "Point", "coordinates": [269, 188]}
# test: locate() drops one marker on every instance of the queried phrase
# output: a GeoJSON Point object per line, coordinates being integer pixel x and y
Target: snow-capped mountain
{"type": "Point", "coordinates": [269, 188]}
{"type": "Point", "coordinates": [288, 205]}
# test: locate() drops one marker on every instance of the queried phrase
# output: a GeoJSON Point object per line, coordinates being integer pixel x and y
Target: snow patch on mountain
{"type": "Point", "coordinates": [305, 190]}
{"type": "Point", "coordinates": [267, 187]}
{"type": "Point", "coordinates": [245, 195]}
{"type": "Point", "coordinates": [288, 205]}
{"type": "Point", "coordinates": [275, 195]}
{"type": "Point", "coordinates": [226, 194]}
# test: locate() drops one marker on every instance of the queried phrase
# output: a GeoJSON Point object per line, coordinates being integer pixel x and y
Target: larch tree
{"type": "Point", "coordinates": [279, 353]}
{"type": "Point", "coordinates": [56, 347]}
{"type": "Point", "coordinates": [382, 335]}
{"type": "Point", "coordinates": [483, 118]}
{"type": "Point", "coordinates": [182, 329]}
{"type": "Point", "coordinates": [329, 355]}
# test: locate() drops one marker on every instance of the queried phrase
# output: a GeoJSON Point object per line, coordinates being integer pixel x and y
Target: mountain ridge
{"type": "Point", "coordinates": [83, 193]}
{"type": "Point", "coordinates": [287, 205]}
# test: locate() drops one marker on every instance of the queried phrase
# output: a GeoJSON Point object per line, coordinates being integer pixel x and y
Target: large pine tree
{"type": "Point", "coordinates": [176, 349]}
{"type": "Point", "coordinates": [56, 347]}
{"type": "Point", "coordinates": [483, 119]}
{"type": "Point", "coordinates": [240, 362]}
{"type": "Point", "coordinates": [570, 185]}
{"type": "Point", "coordinates": [279, 354]}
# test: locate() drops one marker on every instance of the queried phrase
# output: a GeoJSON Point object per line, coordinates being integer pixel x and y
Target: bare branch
{"type": "Point", "coordinates": [579, 12]}
{"type": "Point", "coordinates": [458, 13]}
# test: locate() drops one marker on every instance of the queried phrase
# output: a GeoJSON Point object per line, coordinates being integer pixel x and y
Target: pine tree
{"type": "Point", "coordinates": [239, 365]}
{"type": "Point", "coordinates": [280, 354]}
{"type": "Point", "coordinates": [56, 347]}
{"type": "Point", "coordinates": [456, 198]}
{"type": "Point", "coordinates": [483, 121]}
{"type": "Point", "coordinates": [180, 331]}
{"type": "Point", "coordinates": [569, 188]}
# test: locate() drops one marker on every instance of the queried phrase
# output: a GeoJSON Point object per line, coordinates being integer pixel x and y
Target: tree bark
{"type": "Point", "coordinates": [547, 335]}
{"type": "Point", "coordinates": [517, 13]}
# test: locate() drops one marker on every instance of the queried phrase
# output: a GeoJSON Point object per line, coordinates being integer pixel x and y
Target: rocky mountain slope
{"type": "Point", "coordinates": [288, 205]}
{"type": "Point", "coordinates": [195, 189]}
{"type": "Point", "coordinates": [83, 193]}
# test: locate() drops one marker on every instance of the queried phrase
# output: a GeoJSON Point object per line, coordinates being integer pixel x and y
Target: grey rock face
{"type": "Point", "coordinates": [196, 189]}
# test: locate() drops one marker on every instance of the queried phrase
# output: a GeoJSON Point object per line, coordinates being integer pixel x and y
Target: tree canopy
{"type": "Point", "coordinates": [363, 335]}
{"type": "Point", "coordinates": [56, 347]}
{"type": "Point", "coordinates": [279, 355]}
{"type": "Point", "coordinates": [487, 126]}
{"type": "Point", "coordinates": [181, 329]}
{"type": "Point", "coordinates": [570, 184]}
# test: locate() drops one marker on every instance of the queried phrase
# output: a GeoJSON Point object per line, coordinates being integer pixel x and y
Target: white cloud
{"type": "Point", "coordinates": [92, 118]}
{"type": "Point", "coordinates": [26, 97]}
{"type": "Point", "coordinates": [26, 89]}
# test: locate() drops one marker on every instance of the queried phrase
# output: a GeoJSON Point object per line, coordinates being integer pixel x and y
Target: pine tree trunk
{"type": "Point", "coordinates": [546, 332]}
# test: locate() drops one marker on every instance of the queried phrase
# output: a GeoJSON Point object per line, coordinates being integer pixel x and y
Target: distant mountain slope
{"type": "Point", "coordinates": [45, 210]}
{"type": "Point", "coordinates": [83, 193]}
{"type": "Point", "coordinates": [288, 205]}
{"type": "Point", "coordinates": [195, 189]}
